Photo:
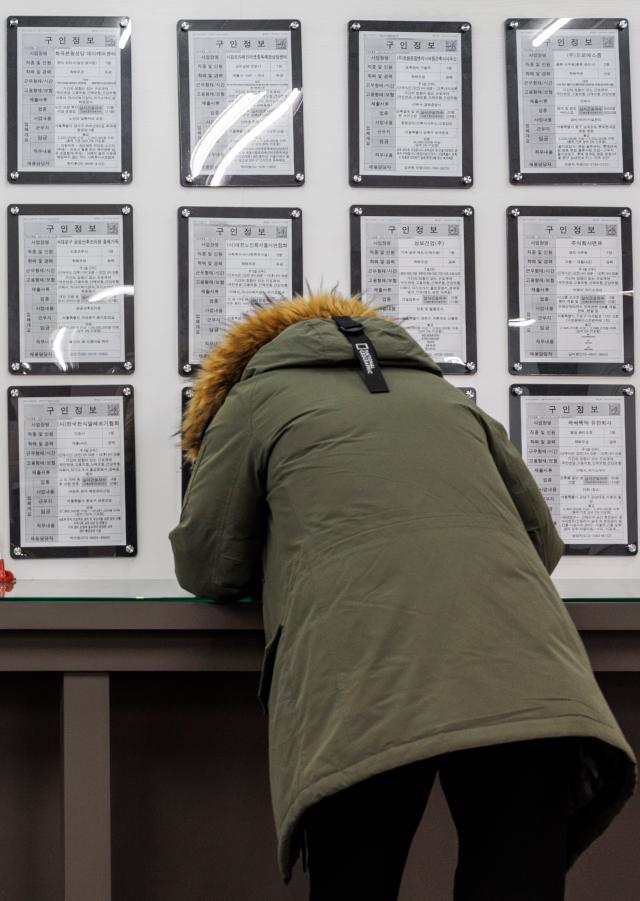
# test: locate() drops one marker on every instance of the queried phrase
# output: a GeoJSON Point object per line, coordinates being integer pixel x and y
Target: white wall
{"type": "Point", "coordinates": [155, 194]}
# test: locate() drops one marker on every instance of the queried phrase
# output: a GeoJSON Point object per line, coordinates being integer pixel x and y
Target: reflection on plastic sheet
{"type": "Point", "coordinates": [244, 91]}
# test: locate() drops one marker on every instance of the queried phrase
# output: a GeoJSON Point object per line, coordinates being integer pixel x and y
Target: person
{"type": "Point", "coordinates": [402, 553]}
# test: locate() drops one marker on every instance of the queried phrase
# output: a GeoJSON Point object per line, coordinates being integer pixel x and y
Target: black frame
{"type": "Point", "coordinates": [522, 367]}
{"type": "Point", "coordinates": [29, 552]}
{"type": "Point", "coordinates": [183, 27]}
{"type": "Point", "coordinates": [358, 179]}
{"type": "Point", "coordinates": [627, 394]}
{"type": "Point", "coordinates": [357, 213]}
{"type": "Point", "coordinates": [13, 273]}
{"type": "Point", "coordinates": [516, 175]}
{"type": "Point", "coordinates": [30, 176]}
{"type": "Point", "coordinates": [187, 367]}
{"type": "Point", "coordinates": [186, 465]}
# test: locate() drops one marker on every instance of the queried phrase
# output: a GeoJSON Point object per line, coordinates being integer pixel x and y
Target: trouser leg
{"type": "Point", "coordinates": [358, 839]}
{"type": "Point", "coordinates": [509, 803]}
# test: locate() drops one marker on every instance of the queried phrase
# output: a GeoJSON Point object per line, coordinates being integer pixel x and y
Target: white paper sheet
{"type": "Point", "coordinates": [570, 283]}
{"type": "Point", "coordinates": [231, 263]}
{"type": "Point", "coordinates": [575, 448]}
{"type": "Point", "coordinates": [410, 102]}
{"type": "Point", "coordinates": [69, 99]}
{"type": "Point", "coordinates": [569, 101]}
{"type": "Point", "coordinates": [64, 262]}
{"type": "Point", "coordinates": [72, 475]}
{"type": "Point", "coordinates": [414, 267]}
{"type": "Point", "coordinates": [240, 85]}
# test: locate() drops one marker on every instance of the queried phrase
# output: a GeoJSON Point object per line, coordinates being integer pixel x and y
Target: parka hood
{"type": "Point", "coordinates": [295, 332]}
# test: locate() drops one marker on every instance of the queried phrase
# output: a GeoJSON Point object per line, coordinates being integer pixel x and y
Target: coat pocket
{"type": "Point", "coordinates": [266, 674]}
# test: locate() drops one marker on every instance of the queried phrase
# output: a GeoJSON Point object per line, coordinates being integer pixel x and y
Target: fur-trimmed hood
{"type": "Point", "coordinates": [244, 343]}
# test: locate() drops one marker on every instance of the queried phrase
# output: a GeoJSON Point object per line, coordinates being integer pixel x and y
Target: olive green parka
{"type": "Point", "coordinates": [401, 550]}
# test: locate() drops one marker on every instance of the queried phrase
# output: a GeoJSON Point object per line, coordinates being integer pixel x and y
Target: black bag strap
{"type": "Point", "coordinates": [364, 352]}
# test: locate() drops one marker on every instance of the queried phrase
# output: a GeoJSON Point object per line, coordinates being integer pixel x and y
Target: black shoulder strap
{"type": "Point", "coordinates": [364, 352]}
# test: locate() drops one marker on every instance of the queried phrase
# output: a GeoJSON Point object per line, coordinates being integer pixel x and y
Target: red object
{"type": "Point", "coordinates": [5, 574]}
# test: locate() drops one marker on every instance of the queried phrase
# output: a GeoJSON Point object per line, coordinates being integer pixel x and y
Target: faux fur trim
{"type": "Point", "coordinates": [227, 359]}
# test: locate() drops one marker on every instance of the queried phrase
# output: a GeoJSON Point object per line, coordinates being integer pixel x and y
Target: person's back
{"type": "Point", "coordinates": [402, 552]}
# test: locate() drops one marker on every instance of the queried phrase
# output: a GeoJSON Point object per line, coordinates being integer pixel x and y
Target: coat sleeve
{"type": "Point", "coordinates": [526, 495]}
{"type": "Point", "coordinates": [217, 544]}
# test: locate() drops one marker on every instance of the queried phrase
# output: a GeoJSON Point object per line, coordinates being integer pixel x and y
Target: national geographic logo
{"type": "Point", "coordinates": [365, 356]}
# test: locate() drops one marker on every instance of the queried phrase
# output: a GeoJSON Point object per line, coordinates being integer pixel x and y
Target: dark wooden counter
{"type": "Point", "coordinates": [86, 633]}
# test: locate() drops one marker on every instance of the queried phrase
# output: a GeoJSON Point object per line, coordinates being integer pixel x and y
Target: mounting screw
{"type": "Point", "coordinates": [16, 367]}
{"type": "Point", "coordinates": [628, 390]}
{"type": "Point", "coordinates": [124, 22]}
{"type": "Point", "coordinates": [129, 548]}
{"type": "Point", "coordinates": [185, 212]}
{"type": "Point", "coordinates": [184, 26]}
{"type": "Point", "coordinates": [125, 176]}
{"type": "Point", "coordinates": [628, 176]}
{"type": "Point", "coordinates": [357, 211]}
{"type": "Point", "coordinates": [625, 213]}
{"type": "Point", "coordinates": [513, 23]}
{"type": "Point", "coordinates": [517, 367]}
{"type": "Point", "coordinates": [465, 26]}
{"type": "Point", "coordinates": [517, 176]}
{"type": "Point", "coordinates": [14, 392]}
{"type": "Point", "coordinates": [632, 548]}
{"type": "Point", "coordinates": [627, 367]}
{"type": "Point", "coordinates": [357, 178]}
{"type": "Point", "coordinates": [126, 390]}
{"type": "Point", "coordinates": [14, 176]}
{"type": "Point", "coordinates": [469, 392]}
{"type": "Point", "coordinates": [188, 392]}
{"type": "Point", "coordinates": [467, 211]}
{"type": "Point", "coordinates": [186, 367]}
{"type": "Point", "coordinates": [470, 366]}
{"type": "Point", "coordinates": [126, 210]}
{"type": "Point", "coordinates": [300, 176]}
{"type": "Point", "coordinates": [13, 23]}
{"type": "Point", "coordinates": [517, 390]}
{"type": "Point", "coordinates": [514, 211]}
{"type": "Point", "coordinates": [466, 179]}
{"type": "Point", "coordinates": [188, 178]}
{"type": "Point", "coordinates": [355, 26]}
{"type": "Point", "coordinates": [14, 210]}
{"type": "Point", "coordinates": [128, 365]}
{"type": "Point", "coordinates": [294, 24]}
{"type": "Point", "coordinates": [622, 23]}
{"type": "Point", "coordinates": [295, 214]}
{"type": "Point", "coordinates": [17, 551]}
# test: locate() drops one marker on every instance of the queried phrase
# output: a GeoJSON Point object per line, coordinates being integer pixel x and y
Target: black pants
{"type": "Point", "coordinates": [509, 803]}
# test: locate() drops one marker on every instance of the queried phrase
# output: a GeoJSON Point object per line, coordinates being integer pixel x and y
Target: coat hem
{"type": "Point", "coordinates": [434, 745]}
